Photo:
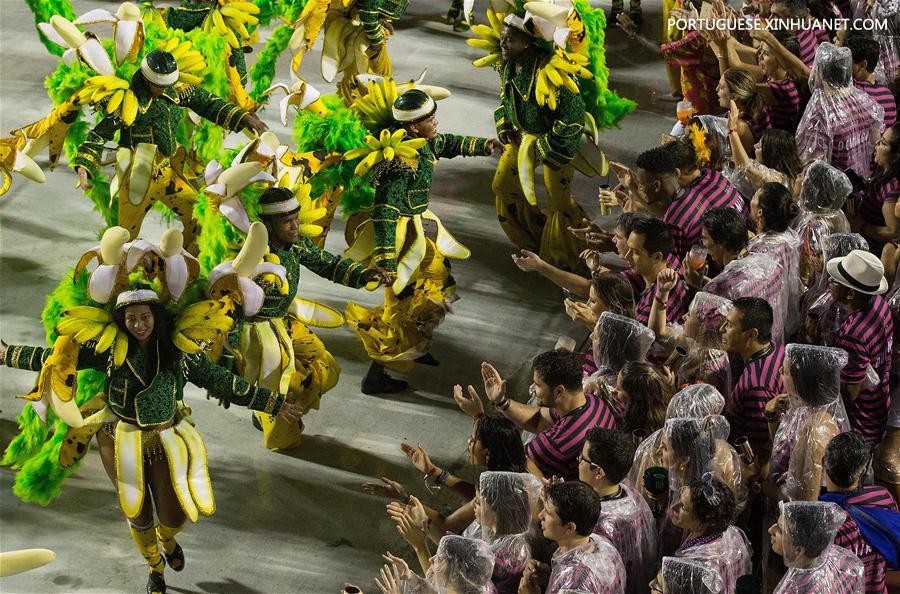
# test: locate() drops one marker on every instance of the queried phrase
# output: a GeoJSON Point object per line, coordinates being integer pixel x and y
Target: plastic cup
{"type": "Point", "coordinates": [683, 111]}
{"type": "Point", "coordinates": [696, 257]}
{"type": "Point", "coordinates": [566, 343]}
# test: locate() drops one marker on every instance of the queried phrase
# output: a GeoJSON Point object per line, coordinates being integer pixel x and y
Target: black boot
{"type": "Point", "coordinates": [377, 381]}
{"type": "Point", "coordinates": [427, 359]}
{"type": "Point", "coordinates": [175, 560]}
{"type": "Point", "coordinates": [156, 584]}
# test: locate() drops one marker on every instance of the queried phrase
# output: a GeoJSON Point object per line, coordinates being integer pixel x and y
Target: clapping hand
{"type": "Point", "coordinates": [580, 312]}
{"type": "Point", "coordinates": [390, 489]}
{"type": "Point", "coordinates": [419, 457]}
{"type": "Point", "coordinates": [734, 116]}
{"type": "Point", "coordinates": [591, 259]}
{"type": "Point", "coordinates": [470, 405]}
{"type": "Point", "coordinates": [494, 385]}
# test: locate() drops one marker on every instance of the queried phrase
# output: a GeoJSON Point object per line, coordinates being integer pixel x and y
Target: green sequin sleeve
{"type": "Point", "coordinates": [32, 358]}
{"type": "Point", "coordinates": [560, 144]}
{"type": "Point", "coordinates": [223, 384]}
{"type": "Point", "coordinates": [500, 120]}
{"type": "Point", "coordinates": [370, 16]}
{"type": "Point", "coordinates": [214, 109]}
{"type": "Point", "coordinates": [447, 146]}
{"type": "Point", "coordinates": [390, 194]}
{"type": "Point", "coordinates": [335, 268]}
{"type": "Point", "coordinates": [90, 153]}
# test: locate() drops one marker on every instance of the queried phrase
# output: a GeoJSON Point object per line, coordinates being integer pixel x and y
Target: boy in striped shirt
{"type": "Point", "coordinates": [747, 332]}
{"type": "Point", "coordinates": [561, 422]}
{"type": "Point", "coordinates": [648, 246]}
{"type": "Point", "coordinates": [846, 459]}
{"type": "Point", "coordinates": [865, 59]}
{"type": "Point", "coordinates": [703, 184]}
{"type": "Point", "coordinates": [856, 283]}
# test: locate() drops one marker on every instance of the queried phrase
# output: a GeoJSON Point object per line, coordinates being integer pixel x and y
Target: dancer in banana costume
{"type": "Point", "coordinates": [393, 237]}
{"type": "Point", "coordinates": [355, 38]}
{"type": "Point", "coordinates": [230, 19]}
{"type": "Point", "coordinates": [273, 345]}
{"type": "Point", "coordinates": [146, 437]}
{"type": "Point", "coordinates": [550, 133]}
{"type": "Point", "coordinates": [147, 142]}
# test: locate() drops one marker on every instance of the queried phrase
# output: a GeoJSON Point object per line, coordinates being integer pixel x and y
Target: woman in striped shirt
{"type": "Point", "coordinates": [772, 210]}
{"type": "Point", "coordinates": [804, 420]}
{"type": "Point", "coordinates": [739, 86]}
{"type": "Point", "coordinates": [705, 510]}
{"type": "Point", "coordinates": [878, 206]}
{"type": "Point", "coordinates": [802, 536]}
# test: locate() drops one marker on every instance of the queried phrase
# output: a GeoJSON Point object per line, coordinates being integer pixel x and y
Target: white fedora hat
{"type": "Point", "coordinates": [860, 271]}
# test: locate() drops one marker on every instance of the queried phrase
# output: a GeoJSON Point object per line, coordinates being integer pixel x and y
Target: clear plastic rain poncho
{"type": "Point", "coordinates": [824, 314]}
{"type": "Point", "coordinates": [693, 447]}
{"type": "Point", "coordinates": [816, 415]}
{"type": "Point", "coordinates": [618, 340]}
{"type": "Point", "coordinates": [595, 567]}
{"type": "Point", "coordinates": [629, 525]}
{"type": "Point", "coordinates": [785, 248]}
{"type": "Point", "coordinates": [461, 565]}
{"type": "Point", "coordinates": [841, 123]}
{"type": "Point", "coordinates": [754, 275]}
{"type": "Point", "coordinates": [701, 356]}
{"type": "Point", "coordinates": [694, 402]}
{"type": "Point", "coordinates": [815, 565]}
{"type": "Point", "coordinates": [729, 554]}
{"type": "Point", "coordinates": [888, 12]}
{"type": "Point", "coordinates": [687, 576]}
{"type": "Point", "coordinates": [506, 506]}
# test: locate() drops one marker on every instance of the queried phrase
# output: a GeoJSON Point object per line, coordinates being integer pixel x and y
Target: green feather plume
{"type": "Point", "coordinates": [263, 72]}
{"type": "Point", "coordinates": [340, 130]}
{"type": "Point", "coordinates": [43, 10]}
{"type": "Point", "coordinates": [606, 107]}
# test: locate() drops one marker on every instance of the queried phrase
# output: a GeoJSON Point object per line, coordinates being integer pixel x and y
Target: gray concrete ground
{"type": "Point", "coordinates": [293, 522]}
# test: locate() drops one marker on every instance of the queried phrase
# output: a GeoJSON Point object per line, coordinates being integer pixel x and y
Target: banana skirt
{"type": "Point", "coordinates": [136, 449]}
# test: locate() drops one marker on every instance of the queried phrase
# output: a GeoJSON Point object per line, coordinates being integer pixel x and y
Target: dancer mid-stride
{"type": "Point", "coordinates": [146, 437]}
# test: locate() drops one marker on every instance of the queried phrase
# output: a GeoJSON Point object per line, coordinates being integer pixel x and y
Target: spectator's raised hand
{"type": "Point", "coordinates": [470, 405]}
{"type": "Point", "coordinates": [494, 385]}
{"type": "Point", "coordinates": [418, 456]}
{"type": "Point", "coordinates": [390, 582]}
{"type": "Point", "coordinates": [390, 489]}
{"type": "Point", "coordinates": [666, 281]}
{"type": "Point", "coordinates": [580, 312]}
{"type": "Point", "coordinates": [528, 261]}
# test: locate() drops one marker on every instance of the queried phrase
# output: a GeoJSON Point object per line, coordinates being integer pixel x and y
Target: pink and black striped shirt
{"type": "Point", "coordinates": [809, 40]}
{"type": "Point", "coordinates": [785, 113]}
{"type": "Point", "coordinates": [849, 536]}
{"type": "Point", "coordinates": [883, 96]}
{"type": "Point", "coordinates": [714, 188]}
{"type": "Point", "coordinates": [683, 218]}
{"type": "Point", "coordinates": [841, 130]}
{"type": "Point", "coordinates": [555, 451]}
{"type": "Point", "coordinates": [759, 382]}
{"type": "Point", "coordinates": [867, 336]}
{"type": "Point", "coordinates": [676, 305]}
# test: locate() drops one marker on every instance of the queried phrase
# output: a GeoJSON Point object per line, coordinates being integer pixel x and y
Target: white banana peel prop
{"type": "Point", "coordinates": [65, 34]}
{"type": "Point", "coordinates": [235, 278]}
{"type": "Point", "coordinates": [179, 267]}
{"type": "Point", "coordinates": [111, 274]}
{"type": "Point", "coordinates": [13, 159]}
{"type": "Point", "coordinates": [299, 95]}
{"type": "Point", "coordinates": [127, 25]}
{"type": "Point", "coordinates": [224, 185]}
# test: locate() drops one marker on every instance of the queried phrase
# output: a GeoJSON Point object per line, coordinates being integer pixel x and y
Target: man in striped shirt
{"type": "Point", "coordinates": [648, 246]}
{"type": "Point", "coordinates": [808, 38]}
{"type": "Point", "coordinates": [846, 459]}
{"type": "Point", "coordinates": [747, 333]}
{"type": "Point", "coordinates": [742, 274]}
{"type": "Point", "coordinates": [857, 281]}
{"type": "Point", "coordinates": [703, 184]}
{"type": "Point", "coordinates": [562, 420]}
{"type": "Point", "coordinates": [865, 53]}
{"type": "Point", "coordinates": [656, 185]}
